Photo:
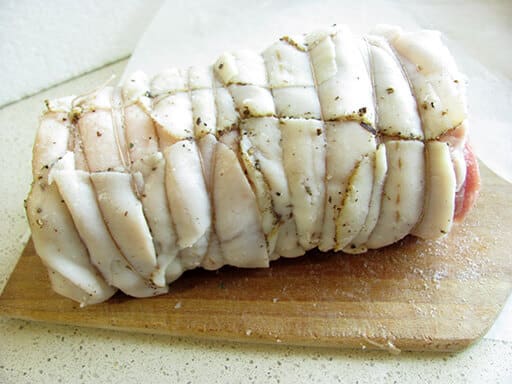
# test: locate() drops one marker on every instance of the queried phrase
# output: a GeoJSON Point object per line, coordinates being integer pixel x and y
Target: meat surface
{"type": "Point", "coordinates": [326, 141]}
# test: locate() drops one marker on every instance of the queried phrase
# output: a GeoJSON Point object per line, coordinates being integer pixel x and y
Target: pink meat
{"type": "Point", "coordinates": [467, 195]}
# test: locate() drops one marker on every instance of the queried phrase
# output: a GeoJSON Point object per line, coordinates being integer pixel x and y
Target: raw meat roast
{"type": "Point", "coordinates": [325, 141]}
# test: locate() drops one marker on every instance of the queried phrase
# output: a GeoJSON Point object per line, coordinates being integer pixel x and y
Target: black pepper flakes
{"type": "Point", "coordinates": [390, 91]}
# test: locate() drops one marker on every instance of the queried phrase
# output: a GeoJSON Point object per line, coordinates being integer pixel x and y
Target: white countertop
{"type": "Point", "coordinates": [46, 353]}
{"type": "Point", "coordinates": [43, 43]}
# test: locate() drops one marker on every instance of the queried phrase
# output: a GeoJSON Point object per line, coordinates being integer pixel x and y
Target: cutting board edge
{"type": "Point", "coordinates": [445, 345]}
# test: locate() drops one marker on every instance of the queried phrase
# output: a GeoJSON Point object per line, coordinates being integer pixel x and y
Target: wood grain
{"type": "Point", "coordinates": [416, 295]}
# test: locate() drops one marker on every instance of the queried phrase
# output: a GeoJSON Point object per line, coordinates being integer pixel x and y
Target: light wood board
{"type": "Point", "coordinates": [415, 295]}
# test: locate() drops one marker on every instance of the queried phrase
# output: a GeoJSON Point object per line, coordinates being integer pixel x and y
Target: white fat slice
{"type": "Point", "coordinates": [380, 168]}
{"type": "Point", "coordinates": [252, 101]}
{"type": "Point", "coordinates": [438, 85]}
{"type": "Point", "coordinates": [125, 219]}
{"type": "Point", "coordinates": [232, 141]}
{"type": "Point", "coordinates": [135, 88]}
{"type": "Point", "coordinates": [55, 237]}
{"type": "Point", "coordinates": [297, 102]}
{"type": "Point", "coordinates": [287, 66]}
{"type": "Point", "coordinates": [349, 94]}
{"type": "Point", "coordinates": [99, 99]}
{"type": "Point", "coordinates": [156, 210]}
{"type": "Point", "coordinates": [78, 193]}
{"type": "Point", "coordinates": [173, 115]}
{"type": "Point", "coordinates": [264, 137]}
{"type": "Point", "coordinates": [58, 243]}
{"type": "Point", "coordinates": [457, 141]}
{"type": "Point", "coordinates": [200, 77]}
{"type": "Point", "coordinates": [303, 146]}
{"type": "Point", "coordinates": [186, 192]}
{"type": "Point", "coordinates": [51, 143]}
{"type": "Point", "coordinates": [343, 81]}
{"type": "Point", "coordinates": [141, 136]}
{"type": "Point", "coordinates": [61, 104]}
{"type": "Point", "coordinates": [439, 206]}
{"type": "Point", "coordinates": [237, 218]}
{"type": "Point", "coordinates": [174, 270]}
{"type": "Point", "coordinates": [403, 196]}
{"type": "Point", "coordinates": [203, 112]}
{"type": "Point", "coordinates": [227, 116]}
{"type": "Point", "coordinates": [323, 60]}
{"type": "Point", "coordinates": [213, 259]}
{"type": "Point", "coordinates": [66, 288]}
{"type": "Point", "coordinates": [75, 145]}
{"type": "Point", "coordinates": [192, 257]}
{"type": "Point", "coordinates": [269, 219]}
{"type": "Point", "coordinates": [355, 204]}
{"type": "Point", "coordinates": [243, 67]}
{"type": "Point", "coordinates": [170, 80]}
{"type": "Point", "coordinates": [396, 105]}
{"type": "Point", "coordinates": [288, 242]}
{"type": "Point", "coordinates": [317, 36]}
{"type": "Point", "coordinates": [100, 144]}
{"type": "Point", "coordinates": [459, 166]}
{"type": "Point", "coordinates": [347, 143]}
{"type": "Point", "coordinates": [207, 145]}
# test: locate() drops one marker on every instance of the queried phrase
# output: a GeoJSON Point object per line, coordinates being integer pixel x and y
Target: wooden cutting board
{"type": "Point", "coordinates": [416, 295]}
